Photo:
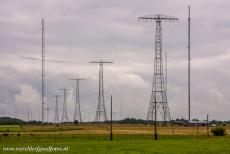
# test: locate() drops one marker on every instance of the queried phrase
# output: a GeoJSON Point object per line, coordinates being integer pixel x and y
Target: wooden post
{"type": "Point", "coordinates": [197, 127]}
{"type": "Point", "coordinates": [207, 126]}
{"type": "Point", "coordinates": [155, 125]}
{"type": "Point", "coordinates": [111, 119]}
{"type": "Point", "coordinates": [172, 127]}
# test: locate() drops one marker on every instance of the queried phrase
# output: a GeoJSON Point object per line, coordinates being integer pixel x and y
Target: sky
{"type": "Point", "coordinates": [78, 31]}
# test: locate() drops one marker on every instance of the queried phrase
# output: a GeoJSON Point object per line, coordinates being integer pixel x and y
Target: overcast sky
{"type": "Point", "coordinates": [77, 31]}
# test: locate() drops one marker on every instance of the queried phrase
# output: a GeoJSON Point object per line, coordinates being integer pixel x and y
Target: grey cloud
{"type": "Point", "coordinates": [79, 31]}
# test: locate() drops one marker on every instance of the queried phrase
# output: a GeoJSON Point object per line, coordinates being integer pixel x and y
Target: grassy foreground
{"type": "Point", "coordinates": [93, 139]}
{"type": "Point", "coordinates": [122, 144]}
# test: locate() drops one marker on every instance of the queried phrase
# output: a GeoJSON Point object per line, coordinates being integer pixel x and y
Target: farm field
{"type": "Point", "coordinates": [127, 139]}
{"type": "Point", "coordinates": [104, 129]}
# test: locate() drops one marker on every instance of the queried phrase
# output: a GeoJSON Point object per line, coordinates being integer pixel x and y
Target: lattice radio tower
{"type": "Point", "coordinates": [101, 111]}
{"type": "Point", "coordinates": [77, 110]}
{"type": "Point", "coordinates": [43, 70]}
{"type": "Point", "coordinates": [189, 64]}
{"type": "Point", "coordinates": [64, 109]}
{"type": "Point", "coordinates": [158, 101]}
{"type": "Point", "coordinates": [56, 114]}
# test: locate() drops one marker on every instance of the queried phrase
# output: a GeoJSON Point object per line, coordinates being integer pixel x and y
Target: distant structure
{"type": "Point", "coordinates": [158, 101]}
{"type": "Point", "coordinates": [77, 110]}
{"type": "Point", "coordinates": [56, 114]}
{"type": "Point", "coordinates": [101, 111]}
{"type": "Point", "coordinates": [64, 109]}
{"type": "Point", "coordinates": [43, 70]}
{"type": "Point", "coordinates": [2, 110]}
{"type": "Point", "coordinates": [39, 115]}
{"type": "Point", "coordinates": [47, 114]}
{"type": "Point", "coordinates": [28, 112]}
{"type": "Point", "coordinates": [114, 116]}
{"type": "Point", "coordinates": [121, 112]}
{"type": "Point", "coordinates": [189, 60]}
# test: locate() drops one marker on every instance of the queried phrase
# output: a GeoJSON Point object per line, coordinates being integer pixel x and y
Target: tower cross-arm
{"type": "Point", "coordinates": [64, 89]}
{"type": "Point", "coordinates": [101, 62]}
{"type": "Point", "coordinates": [77, 79]}
{"type": "Point", "coordinates": [157, 18]}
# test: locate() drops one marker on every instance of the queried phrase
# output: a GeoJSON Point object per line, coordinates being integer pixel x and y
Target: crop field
{"type": "Point", "coordinates": [94, 138]}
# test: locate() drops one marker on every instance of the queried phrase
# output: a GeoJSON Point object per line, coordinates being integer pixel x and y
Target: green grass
{"type": "Point", "coordinates": [10, 128]}
{"type": "Point", "coordinates": [122, 144]}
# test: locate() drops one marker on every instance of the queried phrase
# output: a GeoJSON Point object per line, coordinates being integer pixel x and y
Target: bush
{"type": "Point", "coordinates": [5, 134]}
{"type": "Point", "coordinates": [75, 122]}
{"type": "Point", "coordinates": [219, 131]}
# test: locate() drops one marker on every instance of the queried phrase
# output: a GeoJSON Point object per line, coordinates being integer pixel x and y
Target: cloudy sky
{"type": "Point", "coordinates": [77, 31]}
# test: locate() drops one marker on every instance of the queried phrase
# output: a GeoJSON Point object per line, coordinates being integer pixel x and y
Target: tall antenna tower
{"type": "Point", "coordinates": [158, 101]}
{"type": "Point", "coordinates": [64, 109]}
{"type": "Point", "coordinates": [77, 110]}
{"type": "Point", "coordinates": [166, 75]}
{"type": "Point", "coordinates": [101, 111]}
{"type": "Point", "coordinates": [47, 114]}
{"type": "Point", "coordinates": [189, 59]}
{"type": "Point", "coordinates": [56, 115]}
{"type": "Point", "coordinates": [43, 70]}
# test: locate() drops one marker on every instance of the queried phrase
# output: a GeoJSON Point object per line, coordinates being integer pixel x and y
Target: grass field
{"type": "Point", "coordinates": [11, 128]}
{"type": "Point", "coordinates": [128, 139]}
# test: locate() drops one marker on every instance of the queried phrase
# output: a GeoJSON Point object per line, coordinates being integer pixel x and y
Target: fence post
{"type": "Point", "coordinates": [207, 126]}
{"type": "Point", "coordinates": [172, 127]}
{"type": "Point", "coordinates": [111, 119]}
{"type": "Point", "coordinates": [197, 127]}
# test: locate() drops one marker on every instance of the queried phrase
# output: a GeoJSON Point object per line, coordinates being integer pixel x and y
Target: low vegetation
{"type": "Point", "coordinates": [122, 144]}
{"type": "Point", "coordinates": [219, 131]}
{"type": "Point", "coordinates": [128, 138]}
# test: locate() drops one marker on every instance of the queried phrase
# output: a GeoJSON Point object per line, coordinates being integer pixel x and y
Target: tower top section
{"type": "Point", "coordinates": [158, 18]}
{"type": "Point", "coordinates": [101, 62]}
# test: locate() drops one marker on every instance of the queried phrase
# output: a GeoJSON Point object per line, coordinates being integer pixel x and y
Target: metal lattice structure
{"type": "Point", "coordinates": [189, 63]}
{"type": "Point", "coordinates": [158, 101]}
{"type": "Point", "coordinates": [56, 114]}
{"type": "Point", "coordinates": [64, 109]}
{"type": "Point", "coordinates": [101, 111]}
{"type": "Point", "coordinates": [43, 71]}
{"type": "Point", "coordinates": [77, 110]}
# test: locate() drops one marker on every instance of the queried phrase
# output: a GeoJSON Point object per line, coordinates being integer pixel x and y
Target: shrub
{"type": "Point", "coordinates": [5, 134]}
{"type": "Point", "coordinates": [75, 122]}
{"type": "Point", "coordinates": [219, 131]}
